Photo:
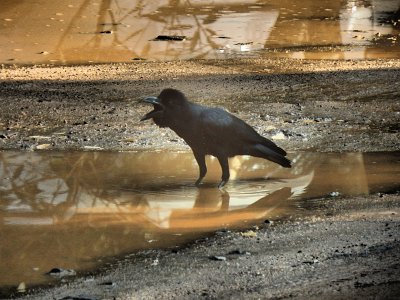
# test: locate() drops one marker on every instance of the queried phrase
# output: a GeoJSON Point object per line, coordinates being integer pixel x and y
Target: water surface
{"type": "Point", "coordinates": [74, 210]}
{"type": "Point", "coordinates": [86, 31]}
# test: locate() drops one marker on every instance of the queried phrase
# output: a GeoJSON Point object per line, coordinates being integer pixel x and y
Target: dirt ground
{"type": "Point", "coordinates": [320, 105]}
{"type": "Point", "coordinates": [348, 249]}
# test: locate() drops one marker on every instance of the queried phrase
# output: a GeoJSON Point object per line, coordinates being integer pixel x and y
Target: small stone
{"type": "Point", "coordinates": [79, 298]}
{"type": "Point", "coordinates": [279, 136]}
{"type": "Point", "coordinates": [108, 284]}
{"type": "Point", "coordinates": [249, 233]}
{"type": "Point", "coordinates": [92, 148]}
{"type": "Point", "coordinates": [21, 287]}
{"type": "Point", "coordinates": [239, 252]}
{"type": "Point", "coordinates": [43, 146]}
{"type": "Point", "coordinates": [155, 262]}
{"type": "Point", "coordinates": [219, 258]}
{"type": "Point", "coordinates": [59, 272]}
{"type": "Point", "coordinates": [334, 194]}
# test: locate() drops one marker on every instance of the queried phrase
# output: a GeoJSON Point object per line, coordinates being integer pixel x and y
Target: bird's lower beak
{"type": "Point", "coordinates": [158, 108]}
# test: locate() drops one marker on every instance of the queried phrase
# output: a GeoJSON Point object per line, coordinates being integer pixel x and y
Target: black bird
{"type": "Point", "coordinates": [211, 131]}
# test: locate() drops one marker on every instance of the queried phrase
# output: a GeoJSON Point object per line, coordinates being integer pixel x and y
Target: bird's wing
{"type": "Point", "coordinates": [218, 124]}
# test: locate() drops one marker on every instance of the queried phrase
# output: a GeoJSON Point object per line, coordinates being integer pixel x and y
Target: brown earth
{"type": "Point", "coordinates": [347, 249]}
{"type": "Point", "coordinates": [321, 105]}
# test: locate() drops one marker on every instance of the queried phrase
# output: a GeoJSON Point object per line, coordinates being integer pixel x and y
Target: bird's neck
{"type": "Point", "coordinates": [184, 124]}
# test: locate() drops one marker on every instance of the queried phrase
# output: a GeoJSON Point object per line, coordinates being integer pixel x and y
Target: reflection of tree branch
{"type": "Point", "coordinates": [74, 19]}
{"type": "Point", "coordinates": [54, 186]}
{"type": "Point", "coordinates": [199, 47]}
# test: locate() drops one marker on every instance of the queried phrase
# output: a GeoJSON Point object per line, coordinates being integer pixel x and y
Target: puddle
{"type": "Point", "coordinates": [73, 210]}
{"type": "Point", "coordinates": [85, 31]}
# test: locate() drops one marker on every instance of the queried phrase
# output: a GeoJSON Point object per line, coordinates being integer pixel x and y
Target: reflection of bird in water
{"type": "Point", "coordinates": [211, 131]}
{"type": "Point", "coordinates": [213, 210]}
{"type": "Point", "coordinates": [208, 197]}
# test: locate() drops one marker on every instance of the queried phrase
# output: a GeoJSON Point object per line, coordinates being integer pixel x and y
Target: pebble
{"type": "Point", "coordinates": [59, 272]}
{"type": "Point", "coordinates": [249, 233]}
{"type": "Point", "coordinates": [92, 148]}
{"type": "Point", "coordinates": [155, 262]}
{"type": "Point", "coordinates": [109, 284]}
{"type": "Point", "coordinates": [79, 298]}
{"type": "Point", "coordinates": [239, 252]}
{"type": "Point", "coordinates": [21, 287]}
{"type": "Point", "coordinates": [43, 146]}
{"type": "Point", "coordinates": [218, 258]}
{"type": "Point", "coordinates": [279, 136]}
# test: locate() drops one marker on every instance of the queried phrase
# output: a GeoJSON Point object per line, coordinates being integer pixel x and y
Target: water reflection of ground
{"type": "Point", "coordinates": [72, 209]}
{"type": "Point", "coordinates": [83, 31]}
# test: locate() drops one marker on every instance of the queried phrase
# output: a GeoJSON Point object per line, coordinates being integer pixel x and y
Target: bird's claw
{"type": "Point", "coordinates": [198, 182]}
{"type": "Point", "coordinates": [222, 184]}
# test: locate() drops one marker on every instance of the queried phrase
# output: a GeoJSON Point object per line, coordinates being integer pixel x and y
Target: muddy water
{"type": "Point", "coordinates": [74, 209]}
{"type": "Point", "coordinates": [85, 31]}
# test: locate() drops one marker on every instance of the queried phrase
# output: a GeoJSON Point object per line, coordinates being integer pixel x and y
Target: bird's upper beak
{"type": "Point", "coordinates": [158, 108]}
{"type": "Point", "coordinates": [152, 100]}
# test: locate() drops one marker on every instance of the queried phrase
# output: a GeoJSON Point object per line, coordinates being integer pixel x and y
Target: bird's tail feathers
{"type": "Point", "coordinates": [269, 144]}
{"type": "Point", "coordinates": [272, 155]}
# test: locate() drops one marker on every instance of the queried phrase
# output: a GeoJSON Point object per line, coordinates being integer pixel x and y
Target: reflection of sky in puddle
{"type": "Point", "coordinates": [85, 31]}
{"type": "Point", "coordinates": [78, 207]}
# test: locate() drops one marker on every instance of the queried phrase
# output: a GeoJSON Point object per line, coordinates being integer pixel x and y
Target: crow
{"type": "Point", "coordinates": [211, 131]}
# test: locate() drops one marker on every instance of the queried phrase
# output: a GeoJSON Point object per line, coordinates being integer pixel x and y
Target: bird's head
{"type": "Point", "coordinates": [167, 107]}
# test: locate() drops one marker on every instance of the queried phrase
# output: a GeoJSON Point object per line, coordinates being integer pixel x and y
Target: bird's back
{"type": "Point", "coordinates": [220, 131]}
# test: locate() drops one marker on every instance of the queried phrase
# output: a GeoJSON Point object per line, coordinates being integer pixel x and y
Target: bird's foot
{"type": "Point", "coordinates": [198, 181]}
{"type": "Point", "coordinates": [222, 184]}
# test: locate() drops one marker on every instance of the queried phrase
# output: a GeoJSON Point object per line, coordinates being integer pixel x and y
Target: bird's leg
{"type": "Point", "coordinates": [223, 161]}
{"type": "Point", "coordinates": [201, 161]}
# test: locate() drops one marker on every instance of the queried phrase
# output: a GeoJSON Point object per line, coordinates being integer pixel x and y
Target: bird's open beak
{"type": "Point", "coordinates": [158, 108]}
